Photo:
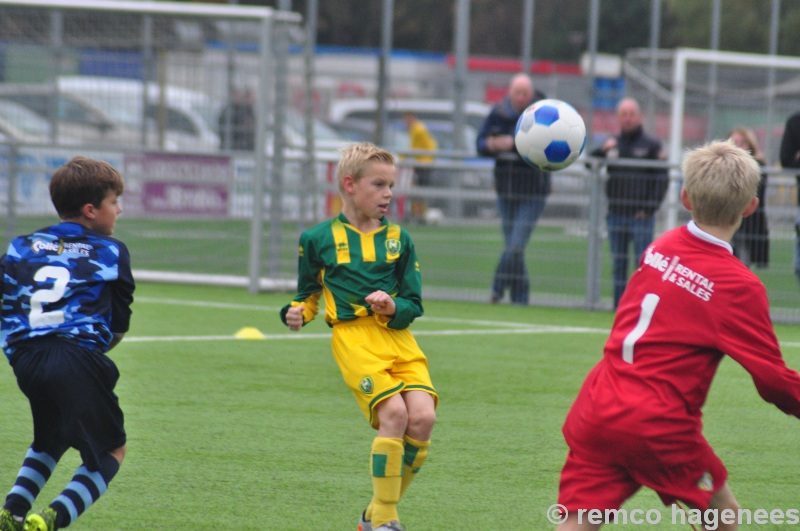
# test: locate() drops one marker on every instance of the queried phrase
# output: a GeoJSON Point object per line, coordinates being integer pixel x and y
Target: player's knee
{"type": "Point", "coordinates": [119, 453]}
{"type": "Point", "coordinates": [421, 420]}
{"type": "Point", "coordinates": [393, 414]}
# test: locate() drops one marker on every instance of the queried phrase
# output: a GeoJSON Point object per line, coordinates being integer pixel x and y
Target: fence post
{"type": "Point", "coordinates": [11, 200]}
{"type": "Point", "coordinates": [594, 251]}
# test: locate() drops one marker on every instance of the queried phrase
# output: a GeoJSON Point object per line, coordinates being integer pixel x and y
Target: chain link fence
{"type": "Point", "coordinates": [221, 196]}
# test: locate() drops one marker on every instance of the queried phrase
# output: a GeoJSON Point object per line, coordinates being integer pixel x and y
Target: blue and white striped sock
{"type": "Point", "coordinates": [37, 467]}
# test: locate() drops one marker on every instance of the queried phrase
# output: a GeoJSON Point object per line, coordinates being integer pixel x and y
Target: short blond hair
{"type": "Point", "coordinates": [355, 158]}
{"type": "Point", "coordinates": [720, 180]}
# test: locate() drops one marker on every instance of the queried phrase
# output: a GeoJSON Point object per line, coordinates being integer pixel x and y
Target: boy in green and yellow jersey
{"type": "Point", "coordinates": [367, 271]}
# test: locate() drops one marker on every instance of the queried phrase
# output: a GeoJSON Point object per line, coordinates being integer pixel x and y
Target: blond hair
{"type": "Point", "coordinates": [720, 180]}
{"type": "Point", "coordinates": [355, 158]}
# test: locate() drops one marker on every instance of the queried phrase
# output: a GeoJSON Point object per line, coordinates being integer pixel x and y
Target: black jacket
{"type": "Point", "coordinates": [630, 189]}
{"type": "Point", "coordinates": [790, 146]}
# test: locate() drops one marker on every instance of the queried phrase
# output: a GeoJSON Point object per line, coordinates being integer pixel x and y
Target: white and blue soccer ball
{"type": "Point", "coordinates": [550, 134]}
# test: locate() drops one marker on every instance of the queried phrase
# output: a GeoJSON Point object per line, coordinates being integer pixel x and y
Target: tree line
{"type": "Point", "coordinates": [561, 27]}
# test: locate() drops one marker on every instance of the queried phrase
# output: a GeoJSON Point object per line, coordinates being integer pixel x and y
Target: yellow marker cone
{"type": "Point", "coordinates": [249, 332]}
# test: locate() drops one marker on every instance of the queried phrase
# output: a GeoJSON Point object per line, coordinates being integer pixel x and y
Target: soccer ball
{"type": "Point", "coordinates": [550, 134]}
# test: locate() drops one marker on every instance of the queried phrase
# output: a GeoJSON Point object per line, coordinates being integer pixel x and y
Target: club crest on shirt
{"type": "Point", "coordinates": [366, 385]}
{"type": "Point", "coordinates": [393, 246]}
{"type": "Point", "coordinates": [706, 482]}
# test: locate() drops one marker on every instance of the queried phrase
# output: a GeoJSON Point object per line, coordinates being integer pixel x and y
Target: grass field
{"type": "Point", "coordinates": [458, 261]}
{"type": "Point", "coordinates": [227, 433]}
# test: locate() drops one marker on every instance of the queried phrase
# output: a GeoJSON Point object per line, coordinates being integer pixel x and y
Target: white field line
{"type": "Point", "coordinates": [533, 329]}
{"type": "Point", "coordinates": [502, 327]}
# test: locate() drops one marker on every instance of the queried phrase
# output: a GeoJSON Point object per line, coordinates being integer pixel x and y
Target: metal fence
{"type": "Point", "coordinates": [145, 84]}
{"type": "Point", "coordinates": [200, 230]}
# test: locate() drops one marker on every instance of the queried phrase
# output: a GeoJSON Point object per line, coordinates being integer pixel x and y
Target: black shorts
{"type": "Point", "coordinates": [71, 393]}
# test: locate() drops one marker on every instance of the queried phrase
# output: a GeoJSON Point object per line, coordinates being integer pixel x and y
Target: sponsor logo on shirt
{"type": "Point", "coordinates": [673, 271]}
{"type": "Point", "coordinates": [59, 247]}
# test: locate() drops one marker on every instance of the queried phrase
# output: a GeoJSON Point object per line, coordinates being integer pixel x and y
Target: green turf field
{"type": "Point", "coordinates": [458, 262]}
{"type": "Point", "coordinates": [228, 433]}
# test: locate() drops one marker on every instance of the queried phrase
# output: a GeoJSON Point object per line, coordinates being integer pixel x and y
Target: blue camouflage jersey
{"type": "Point", "coordinates": [65, 281]}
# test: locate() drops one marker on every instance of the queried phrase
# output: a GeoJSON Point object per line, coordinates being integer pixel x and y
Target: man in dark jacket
{"type": "Point", "coordinates": [634, 193]}
{"type": "Point", "coordinates": [521, 189]}
{"type": "Point", "coordinates": [790, 158]}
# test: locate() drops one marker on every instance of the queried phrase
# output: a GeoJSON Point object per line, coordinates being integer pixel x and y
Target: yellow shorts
{"type": "Point", "coordinates": [378, 362]}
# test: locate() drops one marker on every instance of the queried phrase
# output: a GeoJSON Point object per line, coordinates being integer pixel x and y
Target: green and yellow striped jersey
{"type": "Point", "coordinates": [344, 265]}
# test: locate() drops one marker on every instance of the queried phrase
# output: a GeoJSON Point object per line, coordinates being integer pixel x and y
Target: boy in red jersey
{"type": "Point", "coordinates": [637, 418]}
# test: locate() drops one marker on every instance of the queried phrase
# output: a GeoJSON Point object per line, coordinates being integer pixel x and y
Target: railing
{"type": "Point", "coordinates": [200, 230]}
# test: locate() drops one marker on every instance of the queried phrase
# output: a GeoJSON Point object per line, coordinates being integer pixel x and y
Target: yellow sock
{"type": "Point", "coordinates": [415, 454]}
{"type": "Point", "coordinates": [387, 476]}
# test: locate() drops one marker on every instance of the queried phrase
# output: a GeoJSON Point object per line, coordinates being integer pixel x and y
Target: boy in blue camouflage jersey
{"type": "Point", "coordinates": [67, 291]}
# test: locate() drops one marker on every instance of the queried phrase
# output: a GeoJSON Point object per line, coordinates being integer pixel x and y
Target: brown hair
{"type": "Point", "coordinates": [82, 181]}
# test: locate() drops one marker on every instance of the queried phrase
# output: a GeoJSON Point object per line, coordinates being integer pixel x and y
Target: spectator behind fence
{"type": "Point", "coordinates": [521, 189]}
{"type": "Point", "coordinates": [634, 194]}
{"type": "Point", "coordinates": [237, 123]}
{"type": "Point", "coordinates": [790, 158]}
{"type": "Point", "coordinates": [420, 139]}
{"type": "Point", "coordinates": [751, 241]}
{"type": "Point", "coordinates": [637, 420]}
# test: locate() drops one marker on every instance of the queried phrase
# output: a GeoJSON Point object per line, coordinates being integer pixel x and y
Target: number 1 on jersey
{"type": "Point", "coordinates": [649, 304]}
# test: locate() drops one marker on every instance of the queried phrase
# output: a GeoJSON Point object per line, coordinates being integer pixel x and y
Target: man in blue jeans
{"type": "Point", "coordinates": [634, 193]}
{"type": "Point", "coordinates": [521, 189]}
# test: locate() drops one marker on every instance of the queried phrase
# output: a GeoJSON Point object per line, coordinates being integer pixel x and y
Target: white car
{"type": "Point", "coordinates": [185, 122]}
{"type": "Point", "coordinates": [20, 124]}
{"type": "Point", "coordinates": [73, 114]}
{"type": "Point", "coordinates": [425, 109]}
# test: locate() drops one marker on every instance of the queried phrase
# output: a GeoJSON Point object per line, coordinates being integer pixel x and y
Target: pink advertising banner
{"type": "Point", "coordinates": [180, 185]}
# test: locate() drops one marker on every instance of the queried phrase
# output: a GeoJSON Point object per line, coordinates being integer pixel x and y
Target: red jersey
{"type": "Point", "coordinates": [689, 303]}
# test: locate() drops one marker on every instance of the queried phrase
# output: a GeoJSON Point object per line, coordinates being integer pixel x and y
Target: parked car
{"type": "Point", "coordinates": [20, 124]}
{"type": "Point", "coordinates": [326, 137]}
{"type": "Point", "coordinates": [86, 122]}
{"type": "Point", "coordinates": [189, 119]}
{"type": "Point", "coordinates": [185, 118]}
{"type": "Point", "coordinates": [467, 173]}
{"type": "Point", "coordinates": [341, 111]}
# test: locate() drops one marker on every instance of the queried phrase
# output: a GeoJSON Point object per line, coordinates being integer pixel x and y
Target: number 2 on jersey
{"type": "Point", "coordinates": [39, 317]}
{"type": "Point", "coordinates": [649, 304]}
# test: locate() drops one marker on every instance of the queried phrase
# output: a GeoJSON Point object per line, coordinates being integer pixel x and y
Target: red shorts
{"type": "Point", "coordinates": [604, 468]}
